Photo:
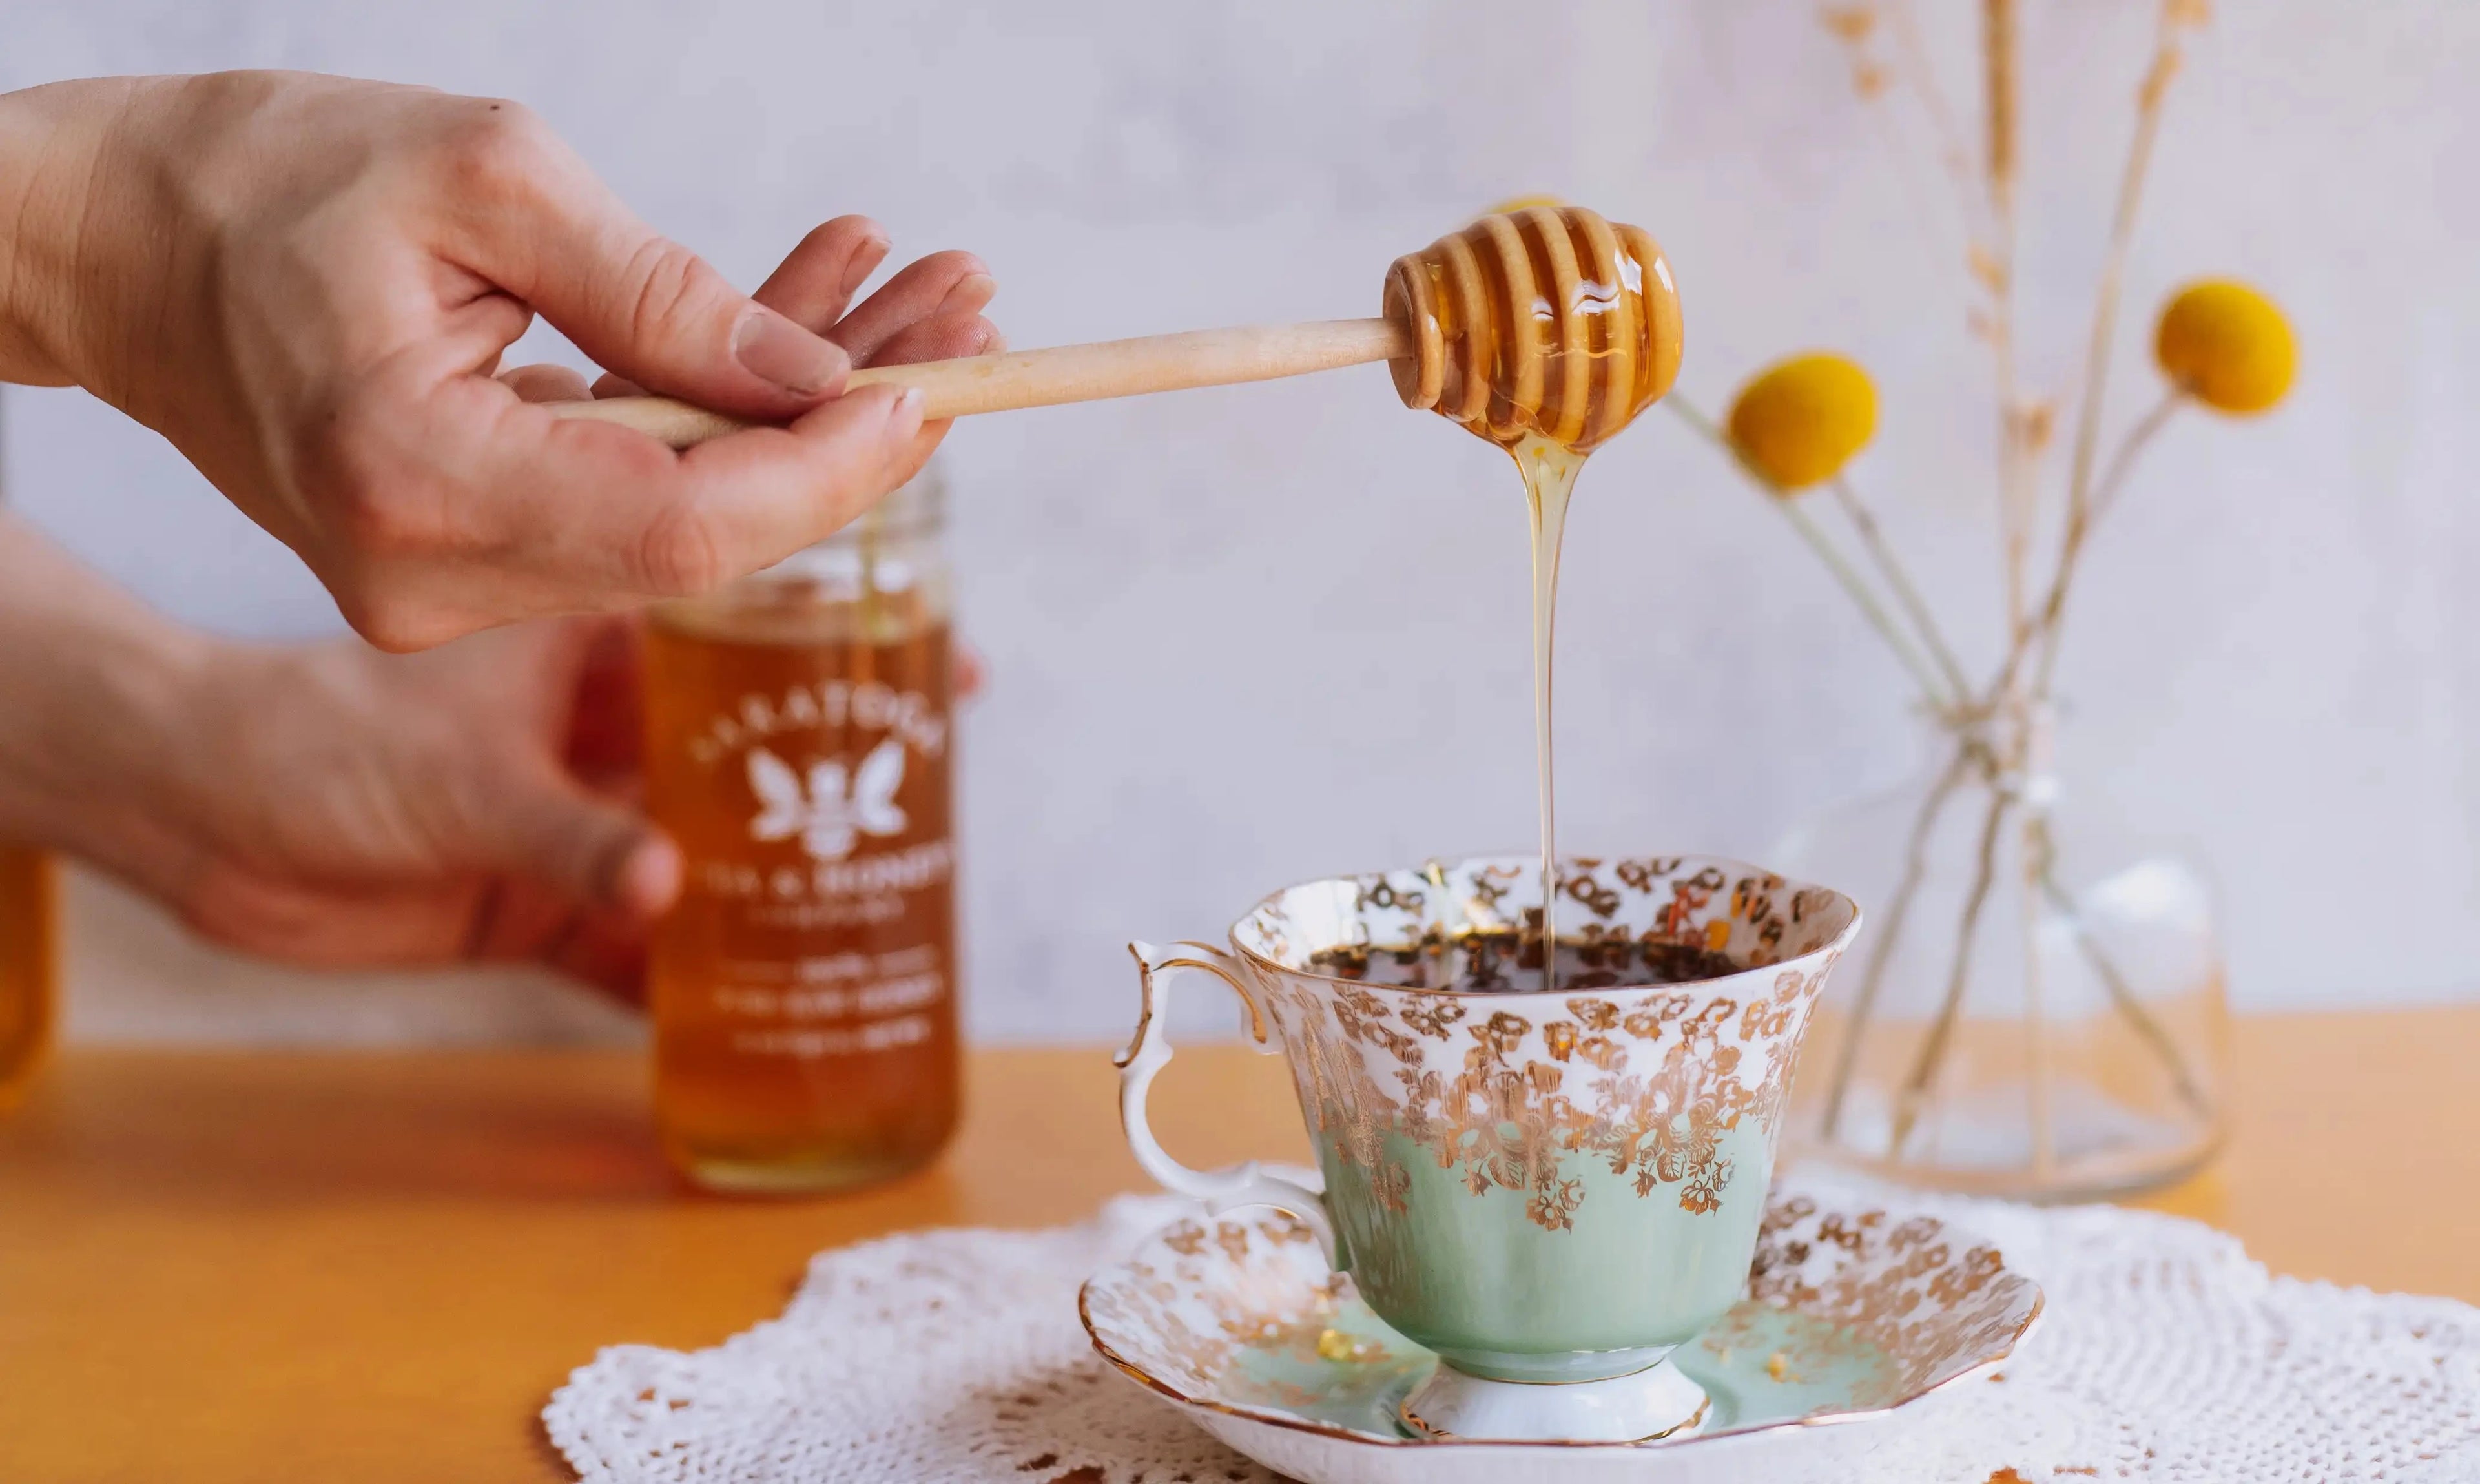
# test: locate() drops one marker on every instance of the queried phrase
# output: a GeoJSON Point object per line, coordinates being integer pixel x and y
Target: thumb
{"type": "Point", "coordinates": [642, 306]}
{"type": "Point", "coordinates": [548, 828]}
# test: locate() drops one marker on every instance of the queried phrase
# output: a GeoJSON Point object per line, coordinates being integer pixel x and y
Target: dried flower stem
{"type": "Point", "coordinates": [1835, 562]}
{"type": "Point", "coordinates": [2080, 521]}
{"type": "Point", "coordinates": [2014, 492]}
{"type": "Point", "coordinates": [1913, 67]}
{"type": "Point", "coordinates": [2105, 323]}
{"type": "Point", "coordinates": [2033, 845]}
{"type": "Point", "coordinates": [2147, 1028]}
{"type": "Point", "coordinates": [1997, 57]}
{"type": "Point", "coordinates": [1933, 1054]}
{"type": "Point", "coordinates": [2114, 475]}
{"type": "Point", "coordinates": [1891, 568]}
{"type": "Point", "coordinates": [1853, 25]}
{"type": "Point", "coordinates": [1890, 934]}
{"type": "Point", "coordinates": [1858, 588]}
{"type": "Point", "coordinates": [1924, 219]}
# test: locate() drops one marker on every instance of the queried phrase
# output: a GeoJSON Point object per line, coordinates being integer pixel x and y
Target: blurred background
{"type": "Point", "coordinates": [1245, 637]}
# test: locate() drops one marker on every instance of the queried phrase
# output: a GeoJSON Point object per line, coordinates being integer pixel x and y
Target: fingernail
{"type": "Point", "coordinates": [648, 877]}
{"type": "Point", "coordinates": [864, 258]}
{"type": "Point", "coordinates": [974, 289]}
{"type": "Point", "coordinates": [904, 415]}
{"type": "Point", "coordinates": [776, 350]}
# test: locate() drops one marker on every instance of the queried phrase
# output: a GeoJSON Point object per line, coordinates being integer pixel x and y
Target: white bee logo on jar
{"type": "Point", "coordinates": [828, 816]}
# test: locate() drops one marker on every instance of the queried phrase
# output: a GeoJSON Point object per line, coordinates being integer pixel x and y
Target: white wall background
{"type": "Point", "coordinates": [1245, 637]}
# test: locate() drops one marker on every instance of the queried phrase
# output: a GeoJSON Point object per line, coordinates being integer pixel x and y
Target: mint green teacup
{"type": "Point", "coordinates": [1550, 1189]}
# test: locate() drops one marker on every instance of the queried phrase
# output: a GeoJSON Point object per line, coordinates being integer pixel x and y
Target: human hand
{"type": "Point", "coordinates": [307, 284]}
{"type": "Point", "coordinates": [328, 804]}
{"type": "Point", "coordinates": [331, 805]}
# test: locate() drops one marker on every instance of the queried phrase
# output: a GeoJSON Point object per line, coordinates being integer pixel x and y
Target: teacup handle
{"type": "Point", "coordinates": [1235, 1186]}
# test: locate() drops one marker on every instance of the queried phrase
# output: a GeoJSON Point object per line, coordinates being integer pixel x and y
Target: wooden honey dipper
{"type": "Point", "coordinates": [1548, 320]}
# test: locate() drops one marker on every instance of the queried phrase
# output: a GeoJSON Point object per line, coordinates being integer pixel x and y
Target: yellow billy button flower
{"type": "Point", "coordinates": [1801, 421]}
{"type": "Point", "coordinates": [2227, 345]}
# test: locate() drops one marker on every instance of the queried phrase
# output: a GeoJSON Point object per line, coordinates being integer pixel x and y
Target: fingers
{"type": "Point", "coordinates": [647, 880]}
{"type": "Point", "coordinates": [480, 508]}
{"type": "Point", "coordinates": [545, 828]}
{"type": "Point", "coordinates": [545, 384]}
{"type": "Point", "coordinates": [579, 880]}
{"type": "Point", "coordinates": [817, 280]}
{"type": "Point", "coordinates": [771, 492]}
{"type": "Point", "coordinates": [543, 228]}
{"type": "Point", "coordinates": [943, 282]}
{"type": "Point", "coordinates": [803, 288]}
{"type": "Point", "coordinates": [942, 337]}
{"type": "Point", "coordinates": [514, 919]}
{"type": "Point", "coordinates": [630, 516]}
{"type": "Point", "coordinates": [485, 509]}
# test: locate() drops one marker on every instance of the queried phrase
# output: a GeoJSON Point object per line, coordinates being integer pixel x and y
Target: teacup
{"type": "Point", "coordinates": [1552, 1189]}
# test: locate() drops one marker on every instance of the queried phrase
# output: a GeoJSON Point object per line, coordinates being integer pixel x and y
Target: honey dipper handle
{"type": "Point", "coordinates": [1064, 374]}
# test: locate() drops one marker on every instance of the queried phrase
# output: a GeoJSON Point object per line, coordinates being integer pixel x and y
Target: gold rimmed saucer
{"type": "Point", "coordinates": [1852, 1312]}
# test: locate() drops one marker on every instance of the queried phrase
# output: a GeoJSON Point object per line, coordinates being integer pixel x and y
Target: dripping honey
{"type": "Point", "coordinates": [1545, 332]}
{"type": "Point", "coordinates": [804, 989]}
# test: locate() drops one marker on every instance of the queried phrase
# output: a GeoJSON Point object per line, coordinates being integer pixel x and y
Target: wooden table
{"type": "Point", "coordinates": [376, 1266]}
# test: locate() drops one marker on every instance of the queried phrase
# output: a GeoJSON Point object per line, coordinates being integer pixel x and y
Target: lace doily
{"type": "Point", "coordinates": [2167, 1354]}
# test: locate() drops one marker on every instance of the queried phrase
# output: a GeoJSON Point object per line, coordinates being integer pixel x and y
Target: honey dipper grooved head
{"type": "Point", "coordinates": [1546, 320]}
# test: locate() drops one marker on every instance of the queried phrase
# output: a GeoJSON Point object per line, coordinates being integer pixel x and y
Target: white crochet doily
{"type": "Point", "coordinates": [956, 1355]}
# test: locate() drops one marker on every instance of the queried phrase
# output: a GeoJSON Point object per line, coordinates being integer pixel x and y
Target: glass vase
{"type": "Point", "coordinates": [2035, 1007]}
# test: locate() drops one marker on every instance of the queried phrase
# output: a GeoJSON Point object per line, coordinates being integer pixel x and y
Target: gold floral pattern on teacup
{"type": "Point", "coordinates": [1646, 1082]}
{"type": "Point", "coordinates": [1514, 1091]}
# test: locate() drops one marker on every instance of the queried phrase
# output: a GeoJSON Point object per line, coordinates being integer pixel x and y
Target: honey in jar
{"type": "Point", "coordinates": [799, 749]}
{"type": "Point", "coordinates": [29, 966]}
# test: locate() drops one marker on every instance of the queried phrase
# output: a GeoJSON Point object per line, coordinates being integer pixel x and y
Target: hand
{"type": "Point", "coordinates": [328, 804]}
{"type": "Point", "coordinates": [331, 805]}
{"type": "Point", "coordinates": [306, 285]}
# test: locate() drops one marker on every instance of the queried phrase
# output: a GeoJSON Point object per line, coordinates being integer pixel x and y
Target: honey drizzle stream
{"type": "Point", "coordinates": [1549, 479]}
{"type": "Point", "coordinates": [1544, 331]}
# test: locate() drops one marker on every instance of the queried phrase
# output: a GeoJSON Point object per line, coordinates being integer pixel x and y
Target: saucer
{"type": "Point", "coordinates": [1852, 1315]}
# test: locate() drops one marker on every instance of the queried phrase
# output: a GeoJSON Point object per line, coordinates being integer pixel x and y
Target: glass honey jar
{"type": "Point", "coordinates": [29, 966]}
{"type": "Point", "coordinates": [30, 984]}
{"type": "Point", "coordinates": [799, 734]}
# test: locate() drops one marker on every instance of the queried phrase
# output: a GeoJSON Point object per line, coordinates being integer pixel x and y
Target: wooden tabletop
{"type": "Point", "coordinates": [376, 1266]}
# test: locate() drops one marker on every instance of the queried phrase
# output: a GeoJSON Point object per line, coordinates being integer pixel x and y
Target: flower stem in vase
{"type": "Point", "coordinates": [2039, 1085]}
{"type": "Point", "coordinates": [2147, 1029]}
{"type": "Point", "coordinates": [1890, 934]}
{"type": "Point", "coordinates": [1933, 1046]}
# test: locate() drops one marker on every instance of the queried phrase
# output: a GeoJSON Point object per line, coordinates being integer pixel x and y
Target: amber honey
{"type": "Point", "coordinates": [1544, 331]}
{"type": "Point", "coordinates": [29, 966]}
{"type": "Point", "coordinates": [798, 733]}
